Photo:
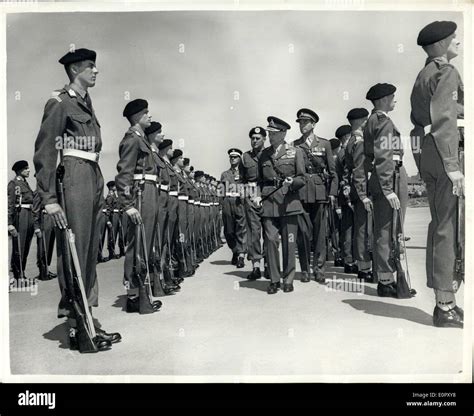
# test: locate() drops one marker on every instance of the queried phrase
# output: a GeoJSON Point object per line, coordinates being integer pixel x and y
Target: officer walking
{"type": "Point", "coordinates": [233, 215]}
{"type": "Point", "coordinates": [253, 213]}
{"type": "Point", "coordinates": [356, 188]}
{"type": "Point", "coordinates": [69, 113]}
{"type": "Point", "coordinates": [20, 219]}
{"type": "Point", "coordinates": [347, 209]}
{"type": "Point", "coordinates": [136, 170]}
{"type": "Point", "coordinates": [320, 186]}
{"type": "Point", "coordinates": [281, 176]}
{"type": "Point", "coordinates": [437, 111]}
{"type": "Point", "coordinates": [384, 153]}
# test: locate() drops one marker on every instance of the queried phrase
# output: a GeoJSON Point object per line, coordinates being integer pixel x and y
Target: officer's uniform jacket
{"type": "Point", "coordinates": [355, 174]}
{"type": "Point", "coordinates": [66, 114]}
{"type": "Point", "coordinates": [18, 187]}
{"type": "Point", "coordinates": [382, 144]}
{"type": "Point", "coordinates": [274, 167]}
{"type": "Point", "coordinates": [136, 158]}
{"type": "Point", "coordinates": [231, 179]}
{"type": "Point", "coordinates": [437, 99]}
{"type": "Point", "coordinates": [319, 164]}
{"type": "Point", "coordinates": [250, 169]}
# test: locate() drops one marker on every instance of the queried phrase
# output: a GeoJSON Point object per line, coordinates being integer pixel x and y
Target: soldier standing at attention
{"type": "Point", "coordinates": [253, 213]}
{"type": "Point", "coordinates": [20, 218]}
{"type": "Point", "coordinates": [281, 175]}
{"type": "Point", "coordinates": [135, 168]}
{"type": "Point", "coordinates": [437, 110]}
{"type": "Point", "coordinates": [343, 133]}
{"type": "Point", "coordinates": [69, 114]}
{"type": "Point", "coordinates": [233, 215]}
{"type": "Point", "coordinates": [320, 186]}
{"type": "Point", "coordinates": [383, 152]}
{"type": "Point", "coordinates": [356, 186]}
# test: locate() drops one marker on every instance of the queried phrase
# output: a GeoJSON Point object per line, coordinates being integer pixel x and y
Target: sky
{"type": "Point", "coordinates": [209, 77]}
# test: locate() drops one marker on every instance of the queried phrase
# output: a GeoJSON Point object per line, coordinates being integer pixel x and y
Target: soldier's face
{"type": "Point", "coordinates": [145, 120]}
{"type": "Point", "coordinates": [306, 126]}
{"type": "Point", "coordinates": [25, 172]}
{"type": "Point", "coordinates": [157, 137]}
{"type": "Point", "coordinates": [169, 152]}
{"type": "Point", "coordinates": [234, 160]}
{"type": "Point", "coordinates": [276, 137]}
{"type": "Point", "coordinates": [453, 47]}
{"type": "Point", "coordinates": [256, 141]}
{"type": "Point", "coordinates": [86, 73]}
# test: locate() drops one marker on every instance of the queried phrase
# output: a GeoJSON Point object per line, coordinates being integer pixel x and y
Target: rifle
{"type": "Point", "coordinates": [368, 235]}
{"type": "Point", "coordinates": [398, 254]}
{"type": "Point", "coordinates": [459, 261]}
{"type": "Point", "coordinates": [111, 234]}
{"type": "Point", "coordinates": [17, 265]}
{"type": "Point", "coordinates": [334, 237]}
{"type": "Point", "coordinates": [140, 265]}
{"type": "Point", "coordinates": [42, 253]}
{"type": "Point", "coordinates": [74, 286]}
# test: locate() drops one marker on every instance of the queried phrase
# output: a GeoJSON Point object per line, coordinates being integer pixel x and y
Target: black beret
{"type": "Point", "coordinates": [258, 130]}
{"type": "Point", "coordinates": [378, 91]}
{"type": "Point", "coordinates": [154, 126]}
{"type": "Point", "coordinates": [191, 168]}
{"type": "Point", "coordinates": [435, 32]}
{"type": "Point", "coordinates": [19, 165]}
{"type": "Point", "coordinates": [134, 107]}
{"type": "Point", "coordinates": [343, 130]}
{"type": "Point", "coordinates": [234, 152]}
{"type": "Point", "coordinates": [78, 55]}
{"type": "Point", "coordinates": [110, 184]}
{"type": "Point", "coordinates": [165, 143]}
{"type": "Point", "coordinates": [277, 124]}
{"type": "Point", "coordinates": [335, 143]}
{"type": "Point", "coordinates": [307, 114]}
{"type": "Point", "coordinates": [177, 153]}
{"type": "Point", "coordinates": [186, 161]}
{"type": "Point", "coordinates": [356, 113]}
{"type": "Point", "coordinates": [198, 174]}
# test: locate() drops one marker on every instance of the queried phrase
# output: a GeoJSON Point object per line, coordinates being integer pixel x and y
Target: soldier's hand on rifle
{"type": "Point", "coordinates": [257, 200]}
{"type": "Point", "coordinates": [346, 190]}
{"type": "Point", "coordinates": [38, 233]}
{"type": "Point", "coordinates": [12, 231]}
{"type": "Point", "coordinates": [57, 214]}
{"type": "Point", "coordinates": [288, 181]}
{"type": "Point", "coordinates": [134, 215]}
{"type": "Point", "coordinates": [367, 204]}
{"type": "Point", "coordinates": [332, 199]}
{"type": "Point", "coordinates": [109, 224]}
{"type": "Point", "coordinates": [393, 200]}
{"type": "Point", "coordinates": [339, 212]}
{"type": "Point", "coordinates": [457, 178]}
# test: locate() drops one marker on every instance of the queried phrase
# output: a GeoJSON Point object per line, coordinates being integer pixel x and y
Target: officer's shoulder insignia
{"type": "Point", "coordinates": [56, 95]}
{"type": "Point", "coordinates": [71, 92]}
{"type": "Point", "coordinates": [381, 115]}
{"type": "Point", "coordinates": [358, 139]}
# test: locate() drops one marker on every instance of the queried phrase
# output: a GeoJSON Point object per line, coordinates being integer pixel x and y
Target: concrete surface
{"type": "Point", "coordinates": [222, 324]}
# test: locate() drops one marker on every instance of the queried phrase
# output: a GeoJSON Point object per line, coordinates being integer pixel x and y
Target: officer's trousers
{"type": "Point", "coordinates": [83, 192]}
{"type": "Point", "coordinates": [149, 218]}
{"type": "Point", "coordinates": [441, 242]}
{"type": "Point", "coordinates": [361, 236]}
{"type": "Point", "coordinates": [318, 217]}
{"type": "Point", "coordinates": [347, 233]}
{"type": "Point", "coordinates": [234, 224]}
{"type": "Point", "coordinates": [253, 215]}
{"type": "Point", "coordinates": [287, 227]}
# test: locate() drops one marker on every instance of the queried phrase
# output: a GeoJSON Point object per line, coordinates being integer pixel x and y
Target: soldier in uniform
{"type": "Point", "coordinates": [233, 215]}
{"type": "Point", "coordinates": [383, 152]}
{"type": "Point", "coordinates": [135, 168]}
{"type": "Point", "coordinates": [69, 114]}
{"type": "Point", "coordinates": [437, 110]}
{"type": "Point", "coordinates": [337, 213]}
{"type": "Point", "coordinates": [114, 229]}
{"type": "Point", "coordinates": [320, 184]}
{"type": "Point", "coordinates": [343, 133]}
{"type": "Point", "coordinates": [102, 226]}
{"type": "Point", "coordinates": [20, 219]}
{"type": "Point", "coordinates": [191, 210]}
{"type": "Point", "coordinates": [253, 213]}
{"type": "Point", "coordinates": [281, 175]}
{"type": "Point", "coordinates": [355, 180]}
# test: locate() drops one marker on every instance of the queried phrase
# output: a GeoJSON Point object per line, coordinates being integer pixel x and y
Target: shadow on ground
{"type": "Point", "coordinates": [388, 310]}
{"type": "Point", "coordinates": [59, 333]}
{"type": "Point", "coordinates": [261, 285]}
{"type": "Point", "coordinates": [120, 302]}
{"type": "Point", "coordinates": [221, 262]}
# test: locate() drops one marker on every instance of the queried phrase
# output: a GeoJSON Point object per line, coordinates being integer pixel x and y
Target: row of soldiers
{"type": "Point", "coordinates": [288, 191]}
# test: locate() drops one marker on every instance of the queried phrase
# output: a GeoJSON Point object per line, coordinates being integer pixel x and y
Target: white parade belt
{"type": "Point", "coordinates": [92, 156]}
{"type": "Point", "coordinates": [173, 193]}
{"type": "Point", "coordinates": [164, 187]}
{"type": "Point", "coordinates": [146, 177]}
{"type": "Point", "coordinates": [427, 129]}
{"type": "Point", "coordinates": [183, 197]}
{"type": "Point", "coordinates": [232, 194]}
{"type": "Point", "coordinates": [116, 210]}
{"type": "Point", "coordinates": [26, 206]}
{"type": "Point", "coordinates": [191, 201]}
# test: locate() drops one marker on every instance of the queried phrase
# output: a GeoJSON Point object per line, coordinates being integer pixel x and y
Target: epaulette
{"type": "Point", "coordinates": [56, 95]}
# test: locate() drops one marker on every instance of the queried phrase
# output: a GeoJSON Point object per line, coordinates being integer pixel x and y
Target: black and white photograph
{"type": "Point", "coordinates": [236, 193]}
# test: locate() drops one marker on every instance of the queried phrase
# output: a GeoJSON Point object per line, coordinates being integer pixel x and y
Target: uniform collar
{"type": "Point", "coordinates": [380, 112]}
{"type": "Point", "coordinates": [438, 59]}
{"type": "Point", "coordinates": [20, 178]}
{"type": "Point", "coordinates": [138, 130]}
{"type": "Point", "coordinates": [73, 90]}
{"type": "Point", "coordinates": [359, 132]}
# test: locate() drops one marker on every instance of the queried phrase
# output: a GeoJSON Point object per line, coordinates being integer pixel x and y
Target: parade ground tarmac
{"type": "Point", "coordinates": [222, 324]}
